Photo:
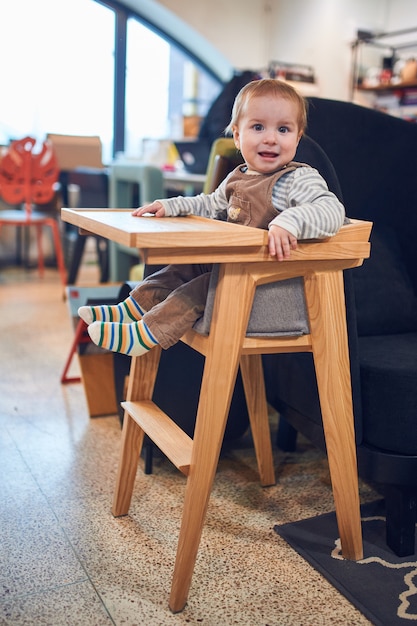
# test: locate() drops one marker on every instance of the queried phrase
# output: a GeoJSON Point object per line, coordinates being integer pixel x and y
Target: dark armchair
{"type": "Point", "coordinates": [375, 158]}
{"type": "Point", "coordinates": [180, 370]}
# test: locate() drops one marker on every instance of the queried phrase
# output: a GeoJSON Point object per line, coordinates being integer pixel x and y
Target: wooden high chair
{"type": "Point", "coordinates": [226, 347]}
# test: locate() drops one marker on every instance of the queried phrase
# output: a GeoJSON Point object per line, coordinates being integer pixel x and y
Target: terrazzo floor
{"type": "Point", "coordinates": [64, 560]}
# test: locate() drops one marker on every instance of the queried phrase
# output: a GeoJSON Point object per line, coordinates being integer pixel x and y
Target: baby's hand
{"type": "Point", "coordinates": [281, 242]}
{"type": "Point", "coordinates": [156, 208]}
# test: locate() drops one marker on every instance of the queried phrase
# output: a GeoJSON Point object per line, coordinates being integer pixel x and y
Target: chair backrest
{"type": "Point", "coordinates": [224, 157]}
{"type": "Point", "coordinates": [375, 157]}
{"type": "Point", "coordinates": [27, 176]}
{"type": "Point", "coordinates": [92, 185]}
{"type": "Point", "coordinates": [311, 152]}
{"type": "Point", "coordinates": [74, 151]}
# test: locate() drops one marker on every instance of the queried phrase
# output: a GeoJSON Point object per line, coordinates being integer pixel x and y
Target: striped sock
{"type": "Point", "coordinates": [124, 312]}
{"type": "Point", "coordinates": [132, 339]}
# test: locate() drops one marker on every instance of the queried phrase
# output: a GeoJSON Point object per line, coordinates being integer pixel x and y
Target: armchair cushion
{"type": "Point", "coordinates": [388, 366]}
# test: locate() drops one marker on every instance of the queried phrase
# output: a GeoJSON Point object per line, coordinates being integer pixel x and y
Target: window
{"type": "Point", "coordinates": [163, 86]}
{"type": "Point", "coordinates": [58, 75]}
{"type": "Point", "coordinates": [147, 87]}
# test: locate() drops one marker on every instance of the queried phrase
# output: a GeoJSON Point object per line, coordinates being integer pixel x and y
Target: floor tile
{"type": "Point", "coordinates": [69, 605]}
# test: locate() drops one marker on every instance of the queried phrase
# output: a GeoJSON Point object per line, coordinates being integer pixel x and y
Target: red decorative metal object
{"type": "Point", "coordinates": [26, 176]}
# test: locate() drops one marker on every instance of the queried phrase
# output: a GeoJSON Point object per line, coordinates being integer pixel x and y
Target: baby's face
{"type": "Point", "coordinates": [267, 133]}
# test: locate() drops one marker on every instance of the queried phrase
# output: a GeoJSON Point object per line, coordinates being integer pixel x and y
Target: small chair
{"type": "Point", "coordinates": [81, 167]}
{"type": "Point", "coordinates": [320, 328]}
{"type": "Point", "coordinates": [29, 178]}
{"type": "Point", "coordinates": [87, 187]}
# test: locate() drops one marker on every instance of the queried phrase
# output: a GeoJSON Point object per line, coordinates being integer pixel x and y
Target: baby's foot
{"type": "Point", "coordinates": [124, 312]}
{"type": "Point", "coordinates": [133, 339]}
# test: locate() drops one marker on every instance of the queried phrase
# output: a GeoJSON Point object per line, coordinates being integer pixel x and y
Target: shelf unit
{"type": "Point", "coordinates": [391, 95]}
{"type": "Point", "coordinates": [411, 84]}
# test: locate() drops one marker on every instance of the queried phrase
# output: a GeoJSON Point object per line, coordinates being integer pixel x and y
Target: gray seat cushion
{"type": "Point", "coordinates": [278, 309]}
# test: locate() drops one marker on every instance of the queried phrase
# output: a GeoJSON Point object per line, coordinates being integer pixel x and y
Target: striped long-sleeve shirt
{"type": "Point", "coordinates": [304, 205]}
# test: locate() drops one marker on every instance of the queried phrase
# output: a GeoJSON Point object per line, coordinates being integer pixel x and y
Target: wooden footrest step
{"type": "Point", "coordinates": [165, 433]}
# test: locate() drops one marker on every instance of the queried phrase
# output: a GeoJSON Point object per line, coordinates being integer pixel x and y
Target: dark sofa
{"type": "Point", "coordinates": [375, 158]}
{"type": "Point", "coordinates": [180, 371]}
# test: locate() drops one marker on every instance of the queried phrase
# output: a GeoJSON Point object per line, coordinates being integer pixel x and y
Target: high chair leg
{"type": "Point", "coordinates": [131, 446]}
{"type": "Point", "coordinates": [254, 385]}
{"type": "Point", "coordinates": [221, 366]}
{"type": "Point", "coordinates": [327, 313]}
{"type": "Point", "coordinates": [142, 376]}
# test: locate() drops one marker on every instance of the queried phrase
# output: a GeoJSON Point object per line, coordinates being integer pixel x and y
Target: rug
{"type": "Point", "coordinates": [382, 586]}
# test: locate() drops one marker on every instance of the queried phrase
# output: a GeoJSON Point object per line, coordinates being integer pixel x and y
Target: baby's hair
{"type": "Point", "coordinates": [268, 87]}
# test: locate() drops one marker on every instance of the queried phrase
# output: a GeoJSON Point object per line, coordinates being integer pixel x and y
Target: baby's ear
{"type": "Point", "coordinates": [236, 137]}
